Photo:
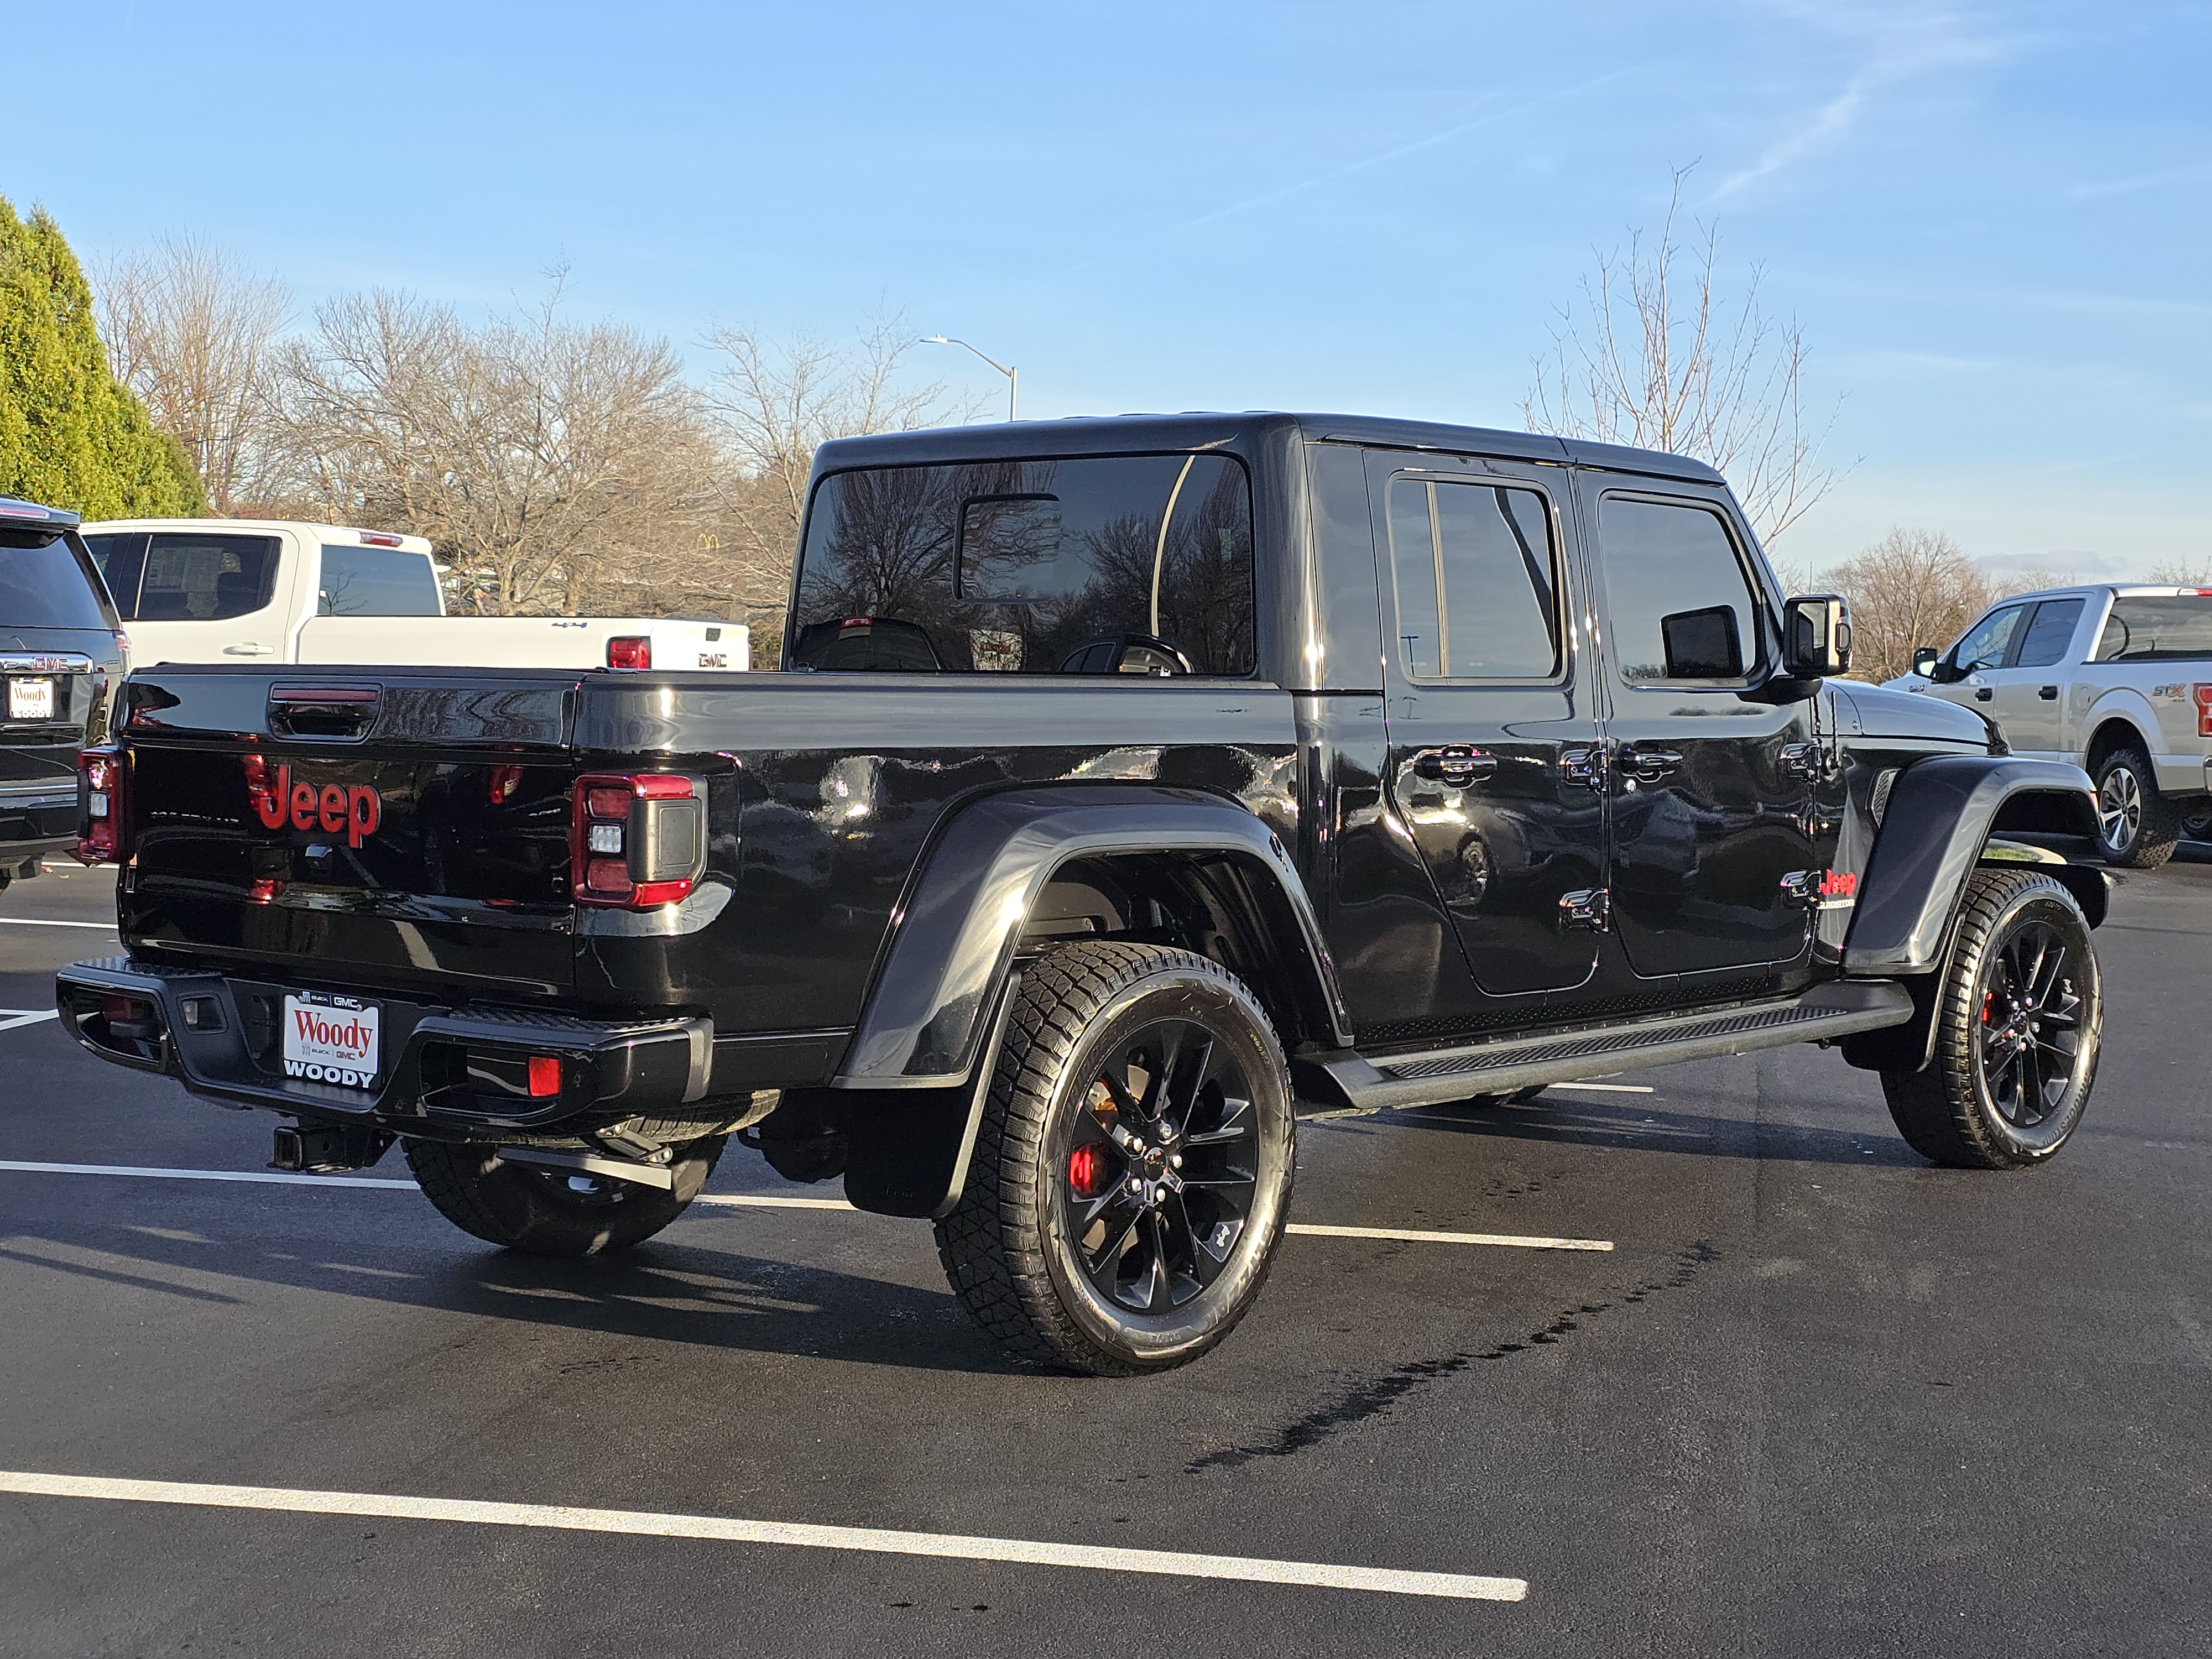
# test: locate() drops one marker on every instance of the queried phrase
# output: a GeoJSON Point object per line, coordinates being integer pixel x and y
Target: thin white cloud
{"type": "Point", "coordinates": [2102, 190]}
{"type": "Point", "coordinates": [1896, 45]}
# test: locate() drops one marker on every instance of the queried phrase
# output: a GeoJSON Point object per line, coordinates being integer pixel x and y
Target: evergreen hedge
{"type": "Point", "coordinates": [71, 434]}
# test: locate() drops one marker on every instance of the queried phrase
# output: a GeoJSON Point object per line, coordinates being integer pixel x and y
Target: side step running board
{"type": "Point", "coordinates": [1437, 1075]}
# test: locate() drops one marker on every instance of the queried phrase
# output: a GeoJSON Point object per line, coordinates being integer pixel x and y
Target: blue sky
{"type": "Point", "coordinates": [1991, 221]}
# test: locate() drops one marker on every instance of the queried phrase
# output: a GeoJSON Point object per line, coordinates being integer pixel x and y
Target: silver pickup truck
{"type": "Point", "coordinates": [2118, 679]}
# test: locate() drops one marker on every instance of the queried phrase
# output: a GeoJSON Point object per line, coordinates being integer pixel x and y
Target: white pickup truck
{"type": "Point", "coordinates": [2118, 679]}
{"type": "Point", "coordinates": [244, 590]}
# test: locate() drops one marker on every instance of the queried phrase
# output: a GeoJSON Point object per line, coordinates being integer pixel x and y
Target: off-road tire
{"type": "Point", "coordinates": [534, 1209]}
{"type": "Point", "coordinates": [2136, 826]}
{"type": "Point", "coordinates": [1950, 1113]}
{"type": "Point", "coordinates": [1006, 1245]}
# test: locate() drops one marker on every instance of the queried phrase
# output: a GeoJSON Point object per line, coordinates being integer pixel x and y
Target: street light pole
{"type": "Point", "coordinates": [1013, 375]}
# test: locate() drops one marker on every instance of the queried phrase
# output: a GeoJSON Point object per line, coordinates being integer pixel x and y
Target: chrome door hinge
{"type": "Point", "coordinates": [1587, 908]}
{"type": "Point", "coordinates": [1583, 766]}
{"type": "Point", "coordinates": [1805, 760]}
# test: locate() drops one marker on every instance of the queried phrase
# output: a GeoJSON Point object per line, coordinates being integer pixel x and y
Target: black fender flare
{"type": "Point", "coordinates": [928, 1014]}
{"type": "Point", "coordinates": [1936, 824]}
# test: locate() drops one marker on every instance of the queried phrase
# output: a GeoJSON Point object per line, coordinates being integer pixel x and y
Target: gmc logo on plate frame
{"type": "Point", "coordinates": [353, 811]}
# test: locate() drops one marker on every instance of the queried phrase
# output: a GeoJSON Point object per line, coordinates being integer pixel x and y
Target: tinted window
{"type": "Point", "coordinates": [1987, 640]}
{"type": "Point", "coordinates": [1677, 603]}
{"type": "Point", "coordinates": [375, 581]}
{"type": "Point", "coordinates": [43, 585]}
{"type": "Point", "coordinates": [1477, 577]}
{"type": "Point", "coordinates": [119, 559]}
{"type": "Point", "coordinates": [2048, 636]}
{"type": "Point", "coordinates": [2177, 625]}
{"type": "Point", "coordinates": [191, 576]}
{"type": "Point", "coordinates": [1130, 564]}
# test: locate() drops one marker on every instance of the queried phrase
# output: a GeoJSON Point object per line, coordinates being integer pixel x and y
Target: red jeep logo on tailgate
{"type": "Point", "coordinates": [351, 810]}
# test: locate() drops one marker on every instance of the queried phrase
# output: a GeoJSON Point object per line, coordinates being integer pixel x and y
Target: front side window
{"type": "Point", "coordinates": [191, 576]}
{"type": "Point", "coordinates": [375, 581]}
{"type": "Point", "coordinates": [1478, 580]}
{"type": "Point", "coordinates": [1988, 640]}
{"type": "Point", "coordinates": [2049, 634]}
{"type": "Point", "coordinates": [2148, 627]}
{"type": "Point", "coordinates": [1678, 605]}
{"type": "Point", "coordinates": [1134, 565]}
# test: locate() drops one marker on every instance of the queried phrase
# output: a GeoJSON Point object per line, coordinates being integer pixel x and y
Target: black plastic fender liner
{"type": "Point", "coordinates": [954, 943]}
{"type": "Point", "coordinates": [1938, 820]}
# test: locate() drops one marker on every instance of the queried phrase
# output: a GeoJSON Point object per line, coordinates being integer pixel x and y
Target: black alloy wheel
{"type": "Point", "coordinates": [1161, 1166]}
{"type": "Point", "coordinates": [2019, 1022]}
{"type": "Point", "coordinates": [1131, 1169]}
{"type": "Point", "coordinates": [542, 1210]}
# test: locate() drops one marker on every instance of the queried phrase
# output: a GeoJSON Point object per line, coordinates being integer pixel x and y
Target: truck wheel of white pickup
{"type": "Point", "coordinates": [1132, 1171]}
{"type": "Point", "coordinates": [2136, 826]}
{"type": "Point", "coordinates": [551, 1211]}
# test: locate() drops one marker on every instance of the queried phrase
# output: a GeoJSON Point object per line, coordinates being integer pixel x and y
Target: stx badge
{"type": "Point", "coordinates": [353, 811]}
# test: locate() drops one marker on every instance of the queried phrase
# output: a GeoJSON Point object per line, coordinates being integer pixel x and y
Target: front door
{"type": "Point", "coordinates": [2025, 695]}
{"type": "Point", "coordinates": [1712, 776]}
{"type": "Point", "coordinates": [1494, 762]}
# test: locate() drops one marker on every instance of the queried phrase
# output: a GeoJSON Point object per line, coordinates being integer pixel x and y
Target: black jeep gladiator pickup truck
{"type": "Point", "coordinates": [1128, 782]}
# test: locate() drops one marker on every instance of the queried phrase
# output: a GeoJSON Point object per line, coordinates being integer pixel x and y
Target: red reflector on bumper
{"type": "Point", "coordinates": [544, 1076]}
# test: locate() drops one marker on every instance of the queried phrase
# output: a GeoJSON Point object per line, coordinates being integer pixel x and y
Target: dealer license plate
{"type": "Point", "coordinates": [30, 700]}
{"type": "Point", "coordinates": [331, 1039]}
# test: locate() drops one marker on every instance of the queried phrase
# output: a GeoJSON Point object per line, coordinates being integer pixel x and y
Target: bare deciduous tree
{"type": "Point", "coordinates": [2182, 572]}
{"type": "Point", "coordinates": [191, 331]}
{"type": "Point", "coordinates": [546, 460]}
{"type": "Point", "coordinates": [1912, 587]}
{"type": "Point", "coordinates": [778, 404]}
{"type": "Point", "coordinates": [1657, 356]}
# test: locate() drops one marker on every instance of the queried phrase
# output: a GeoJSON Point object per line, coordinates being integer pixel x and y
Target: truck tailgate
{"type": "Point", "coordinates": [377, 826]}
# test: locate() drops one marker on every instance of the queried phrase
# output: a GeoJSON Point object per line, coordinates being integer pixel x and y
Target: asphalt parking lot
{"type": "Point", "coordinates": [1817, 1397]}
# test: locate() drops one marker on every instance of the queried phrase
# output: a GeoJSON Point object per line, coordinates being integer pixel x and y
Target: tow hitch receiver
{"type": "Point", "coordinates": [328, 1148]}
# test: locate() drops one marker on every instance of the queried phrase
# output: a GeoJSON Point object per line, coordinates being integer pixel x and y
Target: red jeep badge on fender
{"type": "Point", "coordinates": [351, 810]}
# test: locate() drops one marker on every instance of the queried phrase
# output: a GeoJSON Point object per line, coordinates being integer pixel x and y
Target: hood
{"type": "Point", "coordinates": [1886, 713]}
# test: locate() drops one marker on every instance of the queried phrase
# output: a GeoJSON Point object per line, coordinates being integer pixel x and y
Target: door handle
{"type": "Point", "coordinates": [1648, 765]}
{"type": "Point", "coordinates": [2048, 693]}
{"type": "Point", "coordinates": [1583, 766]}
{"type": "Point", "coordinates": [1984, 695]}
{"type": "Point", "coordinates": [248, 649]}
{"type": "Point", "coordinates": [1455, 764]}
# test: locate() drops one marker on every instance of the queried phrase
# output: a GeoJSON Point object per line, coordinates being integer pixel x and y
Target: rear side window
{"type": "Point", "coordinates": [1130, 564]}
{"type": "Point", "coordinates": [1988, 640]}
{"type": "Point", "coordinates": [42, 585]}
{"type": "Point", "coordinates": [375, 581]}
{"type": "Point", "coordinates": [190, 576]}
{"type": "Point", "coordinates": [1477, 578]}
{"type": "Point", "coordinates": [1678, 605]}
{"type": "Point", "coordinates": [2148, 627]}
{"type": "Point", "coordinates": [2049, 634]}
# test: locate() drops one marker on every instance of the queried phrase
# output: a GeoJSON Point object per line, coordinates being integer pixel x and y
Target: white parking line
{"type": "Point", "coordinates": [1606, 1088]}
{"type": "Point", "coordinates": [1467, 1587]}
{"type": "Point", "coordinates": [40, 921]}
{"type": "Point", "coordinates": [777, 1202]}
{"type": "Point", "coordinates": [11, 1017]}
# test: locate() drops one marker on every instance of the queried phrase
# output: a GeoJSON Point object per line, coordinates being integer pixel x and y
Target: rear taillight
{"type": "Point", "coordinates": [631, 651]}
{"type": "Point", "coordinates": [638, 840]}
{"type": "Point", "coordinates": [2203, 696]}
{"type": "Point", "coordinates": [101, 775]}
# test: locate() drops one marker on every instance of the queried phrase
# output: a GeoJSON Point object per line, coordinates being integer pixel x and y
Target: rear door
{"type": "Point", "coordinates": [2025, 694]}
{"type": "Point", "coordinates": [206, 595]}
{"type": "Point", "coordinates": [1711, 779]}
{"type": "Point", "coordinates": [1492, 736]}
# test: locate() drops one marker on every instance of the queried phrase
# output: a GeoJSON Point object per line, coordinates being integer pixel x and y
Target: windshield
{"type": "Point", "coordinates": [2147, 627]}
{"type": "Point", "coordinates": [1136, 564]}
{"type": "Point", "coordinates": [43, 584]}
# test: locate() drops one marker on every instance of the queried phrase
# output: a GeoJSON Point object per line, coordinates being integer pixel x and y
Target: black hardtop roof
{"type": "Point", "coordinates": [1109, 434]}
{"type": "Point", "coordinates": [60, 517]}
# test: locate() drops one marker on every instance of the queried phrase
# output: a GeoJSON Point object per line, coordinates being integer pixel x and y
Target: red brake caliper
{"type": "Point", "coordinates": [1086, 1171]}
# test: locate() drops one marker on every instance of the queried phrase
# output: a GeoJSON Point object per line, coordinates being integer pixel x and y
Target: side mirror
{"type": "Point", "coordinates": [1816, 636]}
{"type": "Point", "coordinates": [1923, 660]}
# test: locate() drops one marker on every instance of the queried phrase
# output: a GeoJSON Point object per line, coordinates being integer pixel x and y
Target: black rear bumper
{"type": "Point", "coordinates": [444, 1070]}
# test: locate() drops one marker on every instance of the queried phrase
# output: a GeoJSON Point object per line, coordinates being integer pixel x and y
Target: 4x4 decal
{"type": "Point", "coordinates": [351, 810]}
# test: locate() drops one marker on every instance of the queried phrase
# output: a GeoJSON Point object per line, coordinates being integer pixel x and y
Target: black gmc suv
{"type": "Point", "coordinates": [61, 648]}
{"type": "Point", "coordinates": [1128, 781]}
